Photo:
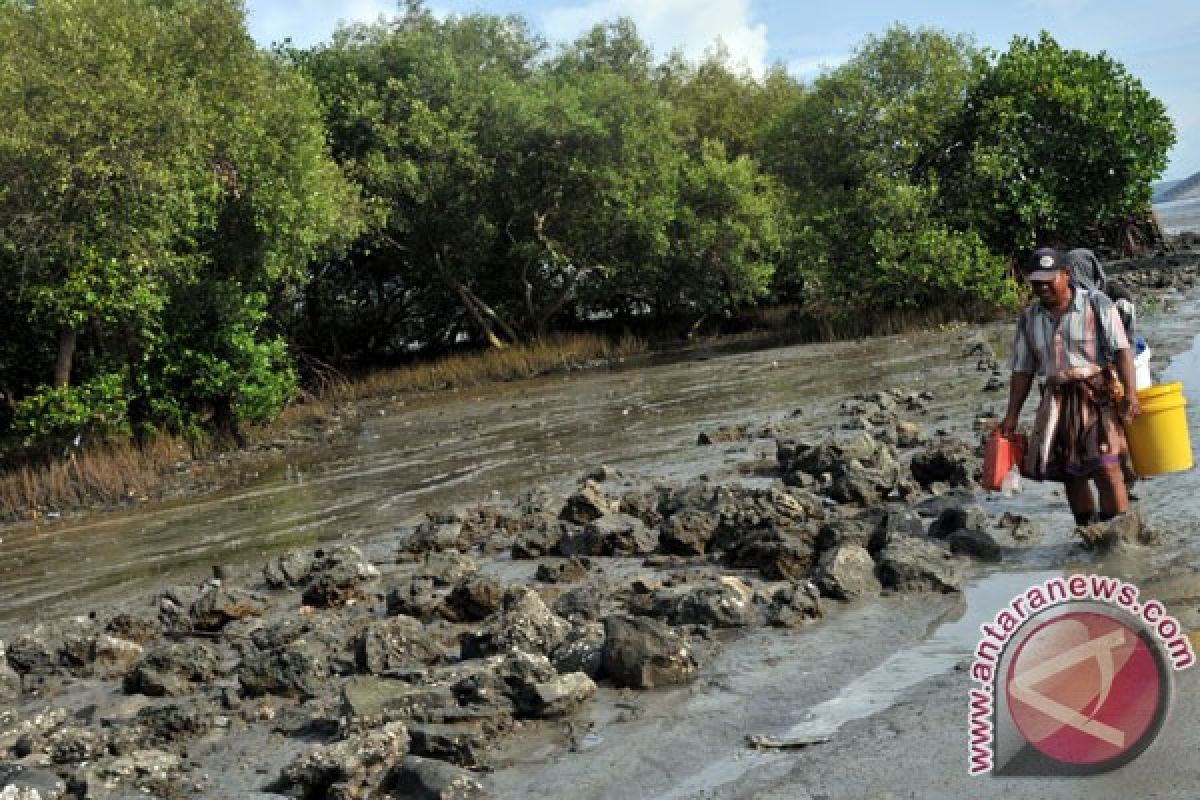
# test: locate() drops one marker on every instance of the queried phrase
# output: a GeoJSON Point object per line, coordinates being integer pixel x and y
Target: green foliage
{"type": "Point", "coordinates": [856, 153]}
{"type": "Point", "coordinates": [1053, 142]}
{"type": "Point", "coordinates": [181, 212]}
{"type": "Point", "coordinates": [890, 251]}
{"type": "Point", "coordinates": [54, 418]}
{"type": "Point", "coordinates": [726, 237]}
{"type": "Point", "coordinates": [151, 155]}
{"type": "Point", "coordinates": [882, 113]}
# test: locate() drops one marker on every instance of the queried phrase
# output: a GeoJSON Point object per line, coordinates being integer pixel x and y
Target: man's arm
{"type": "Point", "coordinates": [1130, 407]}
{"type": "Point", "coordinates": [1018, 390]}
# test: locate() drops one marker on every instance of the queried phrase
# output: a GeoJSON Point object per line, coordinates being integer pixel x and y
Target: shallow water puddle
{"type": "Point", "coordinates": [951, 641]}
{"type": "Point", "coordinates": [1185, 367]}
{"type": "Point", "coordinates": [952, 638]}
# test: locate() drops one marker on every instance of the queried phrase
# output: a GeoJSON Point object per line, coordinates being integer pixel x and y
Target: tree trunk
{"type": "Point", "coordinates": [483, 324]}
{"type": "Point", "coordinates": [480, 311]}
{"type": "Point", "coordinates": [542, 318]}
{"type": "Point", "coordinates": [67, 338]}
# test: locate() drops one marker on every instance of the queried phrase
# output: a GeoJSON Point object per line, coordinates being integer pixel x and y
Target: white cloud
{"type": "Point", "coordinates": [692, 26]}
{"type": "Point", "coordinates": [307, 22]}
{"type": "Point", "coordinates": [812, 66]}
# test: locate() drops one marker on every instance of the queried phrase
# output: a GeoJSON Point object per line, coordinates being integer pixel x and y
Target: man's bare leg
{"type": "Point", "coordinates": [1080, 498]}
{"type": "Point", "coordinates": [1110, 483]}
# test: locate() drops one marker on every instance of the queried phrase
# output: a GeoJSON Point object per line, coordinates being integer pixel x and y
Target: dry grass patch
{"type": "Point", "coordinates": [104, 475]}
{"type": "Point", "coordinates": [490, 366]}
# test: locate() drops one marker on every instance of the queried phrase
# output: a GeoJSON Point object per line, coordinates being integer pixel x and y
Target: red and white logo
{"type": "Point", "coordinates": [1085, 689]}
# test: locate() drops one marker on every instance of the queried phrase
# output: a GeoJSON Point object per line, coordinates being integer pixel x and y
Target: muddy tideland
{"type": "Point", "coordinates": [730, 575]}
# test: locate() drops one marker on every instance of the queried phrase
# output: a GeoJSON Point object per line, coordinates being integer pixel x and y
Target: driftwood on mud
{"type": "Point", "coordinates": [762, 741]}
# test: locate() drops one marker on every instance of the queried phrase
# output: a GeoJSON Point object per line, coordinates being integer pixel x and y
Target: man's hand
{"type": "Point", "coordinates": [1007, 425]}
{"type": "Point", "coordinates": [1130, 407]}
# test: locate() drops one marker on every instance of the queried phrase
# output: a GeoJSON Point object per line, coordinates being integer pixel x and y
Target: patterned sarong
{"type": "Point", "coordinates": [1076, 432]}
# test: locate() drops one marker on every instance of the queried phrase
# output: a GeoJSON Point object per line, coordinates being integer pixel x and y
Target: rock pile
{"type": "Point", "coordinates": [396, 680]}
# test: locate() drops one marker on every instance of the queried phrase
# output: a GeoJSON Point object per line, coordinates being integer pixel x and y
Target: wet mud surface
{"type": "Point", "coordinates": [881, 677]}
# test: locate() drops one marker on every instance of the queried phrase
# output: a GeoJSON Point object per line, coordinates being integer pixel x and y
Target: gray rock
{"type": "Point", "coordinates": [462, 744]}
{"type": "Point", "coordinates": [956, 518]}
{"type": "Point", "coordinates": [395, 643]}
{"type": "Point", "coordinates": [498, 681]}
{"type": "Point", "coordinates": [582, 651]}
{"type": "Point", "coordinates": [415, 598]}
{"type": "Point", "coordinates": [557, 697]}
{"type": "Point", "coordinates": [10, 681]}
{"type": "Point", "coordinates": [724, 435]}
{"type": "Point", "coordinates": [909, 564]}
{"type": "Point", "coordinates": [33, 653]}
{"type": "Point", "coordinates": [854, 483]}
{"type": "Point", "coordinates": [935, 504]}
{"type": "Point", "coordinates": [645, 504]}
{"type": "Point", "coordinates": [361, 760]}
{"type": "Point", "coordinates": [277, 634]}
{"type": "Point", "coordinates": [417, 778]}
{"type": "Point", "coordinates": [369, 701]}
{"type": "Point", "coordinates": [688, 532]}
{"type": "Point", "coordinates": [613, 534]}
{"type": "Point", "coordinates": [539, 535]}
{"type": "Point", "coordinates": [948, 461]}
{"type": "Point", "coordinates": [974, 543]}
{"type": "Point", "coordinates": [727, 603]}
{"type": "Point", "coordinates": [587, 504]}
{"type": "Point", "coordinates": [1022, 529]}
{"type": "Point", "coordinates": [75, 745]}
{"type": "Point", "coordinates": [829, 455]}
{"type": "Point", "coordinates": [775, 554]}
{"type": "Point", "coordinates": [30, 783]}
{"type": "Point", "coordinates": [473, 600]}
{"type": "Point", "coordinates": [847, 572]}
{"type": "Point", "coordinates": [447, 568]}
{"type": "Point", "coordinates": [147, 771]}
{"type": "Point", "coordinates": [562, 570]}
{"type": "Point", "coordinates": [298, 669]}
{"type": "Point", "coordinates": [338, 576]}
{"type": "Point", "coordinates": [289, 570]}
{"type": "Point", "coordinates": [643, 653]}
{"type": "Point", "coordinates": [895, 522]}
{"type": "Point", "coordinates": [857, 531]}
{"type": "Point", "coordinates": [699, 496]}
{"type": "Point", "coordinates": [793, 605]}
{"type": "Point", "coordinates": [139, 628]}
{"type": "Point", "coordinates": [910, 434]}
{"type": "Point", "coordinates": [113, 656]}
{"type": "Point", "coordinates": [172, 669]}
{"type": "Point", "coordinates": [524, 624]}
{"type": "Point", "coordinates": [217, 606]}
{"type": "Point", "coordinates": [748, 514]}
{"type": "Point", "coordinates": [581, 602]}
{"type": "Point", "coordinates": [168, 723]}
{"type": "Point", "coordinates": [439, 532]}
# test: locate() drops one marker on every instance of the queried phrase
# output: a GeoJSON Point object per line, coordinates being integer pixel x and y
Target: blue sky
{"type": "Point", "coordinates": [1158, 41]}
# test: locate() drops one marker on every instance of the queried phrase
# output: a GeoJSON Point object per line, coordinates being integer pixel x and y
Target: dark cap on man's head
{"type": "Point", "coordinates": [1044, 263]}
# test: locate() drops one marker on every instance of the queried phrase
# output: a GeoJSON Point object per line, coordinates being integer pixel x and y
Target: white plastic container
{"type": "Point", "coordinates": [1141, 370]}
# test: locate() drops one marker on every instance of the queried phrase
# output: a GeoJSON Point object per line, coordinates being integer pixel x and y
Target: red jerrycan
{"type": "Point", "coordinates": [1000, 454]}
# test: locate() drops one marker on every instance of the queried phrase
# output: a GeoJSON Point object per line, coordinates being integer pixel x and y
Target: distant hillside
{"type": "Point", "coordinates": [1159, 187]}
{"type": "Point", "coordinates": [1178, 190]}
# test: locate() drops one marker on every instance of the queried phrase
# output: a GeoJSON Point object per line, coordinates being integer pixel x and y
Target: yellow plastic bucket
{"type": "Point", "coordinates": [1158, 437]}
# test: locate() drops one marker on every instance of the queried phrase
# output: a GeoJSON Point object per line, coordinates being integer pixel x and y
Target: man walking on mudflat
{"type": "Point", "coordinates": [1073, 337]}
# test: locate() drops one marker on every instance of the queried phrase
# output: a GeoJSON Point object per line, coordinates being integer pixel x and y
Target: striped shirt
{"type": "Point", "coordinates": [1068, 348]}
